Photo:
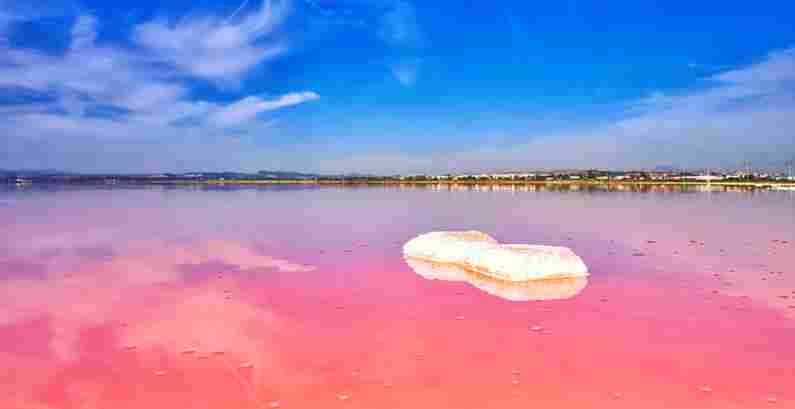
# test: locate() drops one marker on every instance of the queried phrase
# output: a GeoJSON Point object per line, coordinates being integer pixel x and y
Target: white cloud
{"type": "Point", "coordinates": [88, 76]}
{"type": "Point", "coordinates": [399, 26]}
{"type": "Point", "coordinates": [248, 108]}
{"type": "Point", "coordinates": [84, 32]}
{"type": "Point", "coordinates": [216, 48]}
{"type": "Point", "coordinates": [406, 72]}
{"type": "Point", "coordinates": [746, 113]}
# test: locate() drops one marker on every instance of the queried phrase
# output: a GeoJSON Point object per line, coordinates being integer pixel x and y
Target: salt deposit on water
{"type": "Point", "coordinates": [480, 252]}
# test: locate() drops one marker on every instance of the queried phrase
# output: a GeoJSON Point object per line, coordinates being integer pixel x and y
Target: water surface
{"type": "Point", "coordinates": [299, 297]}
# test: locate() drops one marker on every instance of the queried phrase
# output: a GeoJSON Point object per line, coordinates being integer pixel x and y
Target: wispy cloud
{"type": "Point", "coordinates": [215, 47]}
{"type": "Point", "coordinates": [406, 71]}
{"type": "Point", "coordinates": [249, 107]}
{"type": "Point", "coordinates": [399, 26]}
{"type": "Point", "coordinates": [745, 113]}
{"type": "Point", "coordinates": [84, 32]}
{"type": "Point", "coordinates": [100, 95]}
{"type": "Point", "coordinates": [93, 75]}
{"type": "Point", "coordinates": [401, 29]}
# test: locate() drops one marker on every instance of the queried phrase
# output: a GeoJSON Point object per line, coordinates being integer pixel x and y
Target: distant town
{"type": "Point", "coordinates": [739, 178]}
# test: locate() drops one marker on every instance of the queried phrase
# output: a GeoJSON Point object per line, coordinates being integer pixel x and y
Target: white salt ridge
{"type": "Point", "coordinates": [482, 253]}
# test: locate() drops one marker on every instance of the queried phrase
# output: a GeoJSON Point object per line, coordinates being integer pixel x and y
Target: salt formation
{"type": "Point", "coordinates": [481, 253]}
{"type": "Point", "coordinates": [532, 290]}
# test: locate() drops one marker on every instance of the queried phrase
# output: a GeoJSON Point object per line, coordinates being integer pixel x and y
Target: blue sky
{"type": "Point", "coordinates": [394, 86]}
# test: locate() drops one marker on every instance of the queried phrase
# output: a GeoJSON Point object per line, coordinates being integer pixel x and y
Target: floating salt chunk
{"type": "Point", "coordinates": [343, 396]}
{"type": "Point", "coordinates": [772, 400]}
{"type": "Point", "coordinates": [705, 389]}
{"type": "Point", "coordinates": [274, 404]}
{"type": "Point", "coordinates": [536, 328]}
{"type": "Point", "coordinates": [246, 365]}
{"type": "Point", "coordinates": [160, 373]}
{"type": "Point", "coordinates": [515, 381]}
{"type": "Point", "coordinates": [482, 253]}
{"type": "Point", "coordinates": [617, 395]}
{"type": "Point", "coordinates": [459, 317]}
{"type": "Point", "coordinates": [515, 372]}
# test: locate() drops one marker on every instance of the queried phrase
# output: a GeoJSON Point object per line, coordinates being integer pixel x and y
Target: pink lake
{"type": "Point", "coordinates": [299, 297]}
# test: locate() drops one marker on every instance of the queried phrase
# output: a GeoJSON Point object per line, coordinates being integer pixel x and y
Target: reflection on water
{"type": "Point", "coordinates": [532, 290]}
{"type": "Point", "coordinates": [230, 298]}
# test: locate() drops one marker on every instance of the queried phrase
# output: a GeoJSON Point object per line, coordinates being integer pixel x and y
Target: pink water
{"type": "Point", "coordinates": [300, 298]}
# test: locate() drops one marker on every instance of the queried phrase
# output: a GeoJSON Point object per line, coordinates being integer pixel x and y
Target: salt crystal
{"type": "Point", "coordinates": [482, 253]}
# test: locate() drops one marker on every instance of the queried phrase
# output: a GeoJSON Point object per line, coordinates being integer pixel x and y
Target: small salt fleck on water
{"type": "Point", "coordinates": [772, 400]}
{"type": "Point", "coordinates": [343, 396]}
{"type": "Point", "coordinates": [459, 317]}
{"type": "Point", "coordinates": [705, 389]}
{"type": "Point", "coordinates": [274, 404]}
{"type": "Point", "coordinates": [536, 328]}
{"type": "Point", "coordinates": [160, 373]}
{"type": "Point", "coordinates": [617, 395]}
{"type": "Point", "coordinates": [246, 365]}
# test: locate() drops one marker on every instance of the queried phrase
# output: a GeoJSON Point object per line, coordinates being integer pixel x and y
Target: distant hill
{"type": "Point", "coordinates": [276, 174]}
{"type": "Point", "coordinates": [31, 172]}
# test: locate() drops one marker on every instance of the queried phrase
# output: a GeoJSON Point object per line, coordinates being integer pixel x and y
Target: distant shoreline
{"type": "Point", "coordinates": [394, 182]}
